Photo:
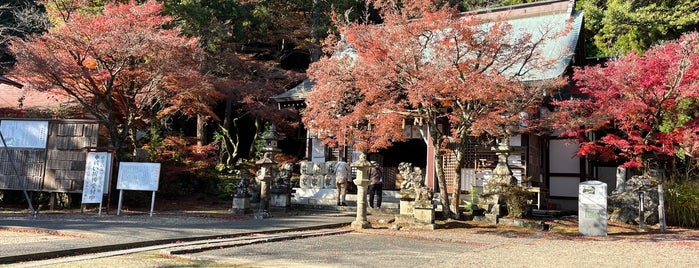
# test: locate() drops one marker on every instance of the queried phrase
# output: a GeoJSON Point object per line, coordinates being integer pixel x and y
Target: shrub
{"type": "Point", "coordinates": [186, 169]}
{"type": "Point", "coordinates": [683, 203]}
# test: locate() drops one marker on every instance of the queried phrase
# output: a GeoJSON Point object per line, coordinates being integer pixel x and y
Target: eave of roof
{"type": "Point", "coordinates": [297, 93]}
{"type": "Point", "coordinates": [7, 81]}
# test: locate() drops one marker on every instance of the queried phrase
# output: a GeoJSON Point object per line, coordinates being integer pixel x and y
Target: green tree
{"type": "Point", "coordinates": [617, 26]}
{"type": "Point", "coordinates": [19, 18]}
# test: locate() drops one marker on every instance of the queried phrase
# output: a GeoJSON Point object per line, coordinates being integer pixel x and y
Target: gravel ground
{"type": "Point", "coordinates": [473, 244]}
{"type": "Point", "coordinates": [455, 244]}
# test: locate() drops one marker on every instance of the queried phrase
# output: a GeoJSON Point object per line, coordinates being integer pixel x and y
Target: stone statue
{"type": "Point", "coordinates": [404, 171]}
{"type": "Point", "coordinates": [416, 177]}
{"type": "Point", "coordinates": [423, 197]}
{"type": "Point", "coordinates": [412, 180]}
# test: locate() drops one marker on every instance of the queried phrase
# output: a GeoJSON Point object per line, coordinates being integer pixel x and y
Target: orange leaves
{"type": "Point", "coordinates": [443, 65]}
{"type": "Point", "coordinates": [123, 65]}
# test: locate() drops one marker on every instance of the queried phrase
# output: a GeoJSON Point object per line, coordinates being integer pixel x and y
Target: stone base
{"type": "Point", "coordinates": [325, 197]}
{"type": "Point", "coordinates": [404, 219]}
{"type": "Point", "coordinates": [525, 223]}
{"type": "Point", "coordinates": [424, 215]}
{"type": "Point", "coordinates": [422, 226]}
{"type": "Point", "coordinates": [360, 225]}
{"type": "Point", "coordinates": [410, 222]}
{"type": "Point", "coordinates": [406, 207]}
{"type": "Point", "coordinates": [241, 205]}
{"type": "Point", "coordinates": [280, 200]}
{"type": "Point", "coordinates": [491, 218]}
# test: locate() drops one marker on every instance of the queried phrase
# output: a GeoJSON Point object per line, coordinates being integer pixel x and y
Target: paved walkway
{"type": "Point", "coordinates": [24, 238]}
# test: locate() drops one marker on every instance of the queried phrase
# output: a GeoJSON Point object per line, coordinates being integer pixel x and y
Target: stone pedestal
{"type": "Point", "coordinates": [491, 218]}
{"type": "Point", "coordinates": [280, 200]}
{"type": "Point", "coordinates": [406, 206]}
{"type": "Point", "coordinates": [362, 181]}
{"type": "Point", "coordinates": [424, 215]}
{"type": "Point", "coordinates": [241, 205]}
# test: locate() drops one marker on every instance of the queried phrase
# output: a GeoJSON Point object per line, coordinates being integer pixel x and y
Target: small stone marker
{"type": "Point", "coordinates": [592, 208]}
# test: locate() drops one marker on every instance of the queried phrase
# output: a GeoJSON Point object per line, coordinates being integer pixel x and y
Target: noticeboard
{"type": "Point", "coordinates": [96, 182]}
{"type": "Point", "coordinates": [25, 134]}
{"type": "Point", "coordinates": [138, 176]}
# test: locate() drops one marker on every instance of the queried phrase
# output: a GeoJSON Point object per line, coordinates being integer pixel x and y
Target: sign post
{"type": "Point", "coordinates": [138, 176]}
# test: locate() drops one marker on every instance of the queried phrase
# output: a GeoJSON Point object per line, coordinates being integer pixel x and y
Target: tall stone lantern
{"type": "Point", "coordinates": [502, 175]}
{"type": "Point", "coordinates": [362, 181]}
{"type": "Point", "coordinates": [268, 167]}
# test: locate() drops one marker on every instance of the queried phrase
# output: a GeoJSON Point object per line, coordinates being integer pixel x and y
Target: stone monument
{"type": "Point", "coordinates": [592, 208]}
{"type": "Point", "coordinates": [281, 188]}
{"type": "Point", "coordinates": [241, 197]}
{"type": "Point", "coordinates": [625, 205]}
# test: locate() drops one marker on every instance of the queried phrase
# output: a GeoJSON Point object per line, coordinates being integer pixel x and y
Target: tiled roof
{"type": "Point", "coordinates": [13, 97]}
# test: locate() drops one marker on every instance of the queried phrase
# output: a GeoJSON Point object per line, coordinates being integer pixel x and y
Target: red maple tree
{"type": "Point", "coordinates": [458, 74]}
{"type": "Point", "coordinates": [123, 64]}
{"type": "Point", "coordinates": [639, 105]}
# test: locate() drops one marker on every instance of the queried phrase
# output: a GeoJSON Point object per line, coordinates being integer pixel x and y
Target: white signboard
{"type": "Point", "coordinates": [96, 181]}
{"type": "Point", "coordinates": [138, 176]}
{"type": "Point", "coordinates": [25, 134]}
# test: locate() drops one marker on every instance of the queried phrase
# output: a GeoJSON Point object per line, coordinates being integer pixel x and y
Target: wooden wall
{"type": "Point", "coordinates": [59, 167]}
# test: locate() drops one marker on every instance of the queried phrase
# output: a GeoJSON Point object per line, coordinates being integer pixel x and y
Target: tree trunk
{"type": "Point", "coordinates": [456, 199]}
{"type": "Point", "coordinates": [228, 116]}
{"type": "Point", "coordinates": [254, 139]}
{"type": "Point", "coordinates": [201, 130]}
{"type": "Point", "coordinates": [441, 180]}
{"type": "Point", "coordinates": [315, 30]}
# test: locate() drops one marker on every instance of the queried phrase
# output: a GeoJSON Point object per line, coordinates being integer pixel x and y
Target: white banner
{"type": "Point", "coordinates": [96, 180]}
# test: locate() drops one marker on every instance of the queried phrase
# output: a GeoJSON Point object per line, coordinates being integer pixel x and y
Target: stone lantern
{"type": "Point", "coordinates": [270, 139]}
{"type": "Point", "coordinates": [362, 181]}
{"type": "Point", "coordinates": [502, 175]}
{"type": "Point", "coordinates": [268, 171]}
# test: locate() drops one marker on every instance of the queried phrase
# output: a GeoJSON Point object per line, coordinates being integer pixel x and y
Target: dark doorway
{"type": "Point", "coordinates": [413, 151]}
